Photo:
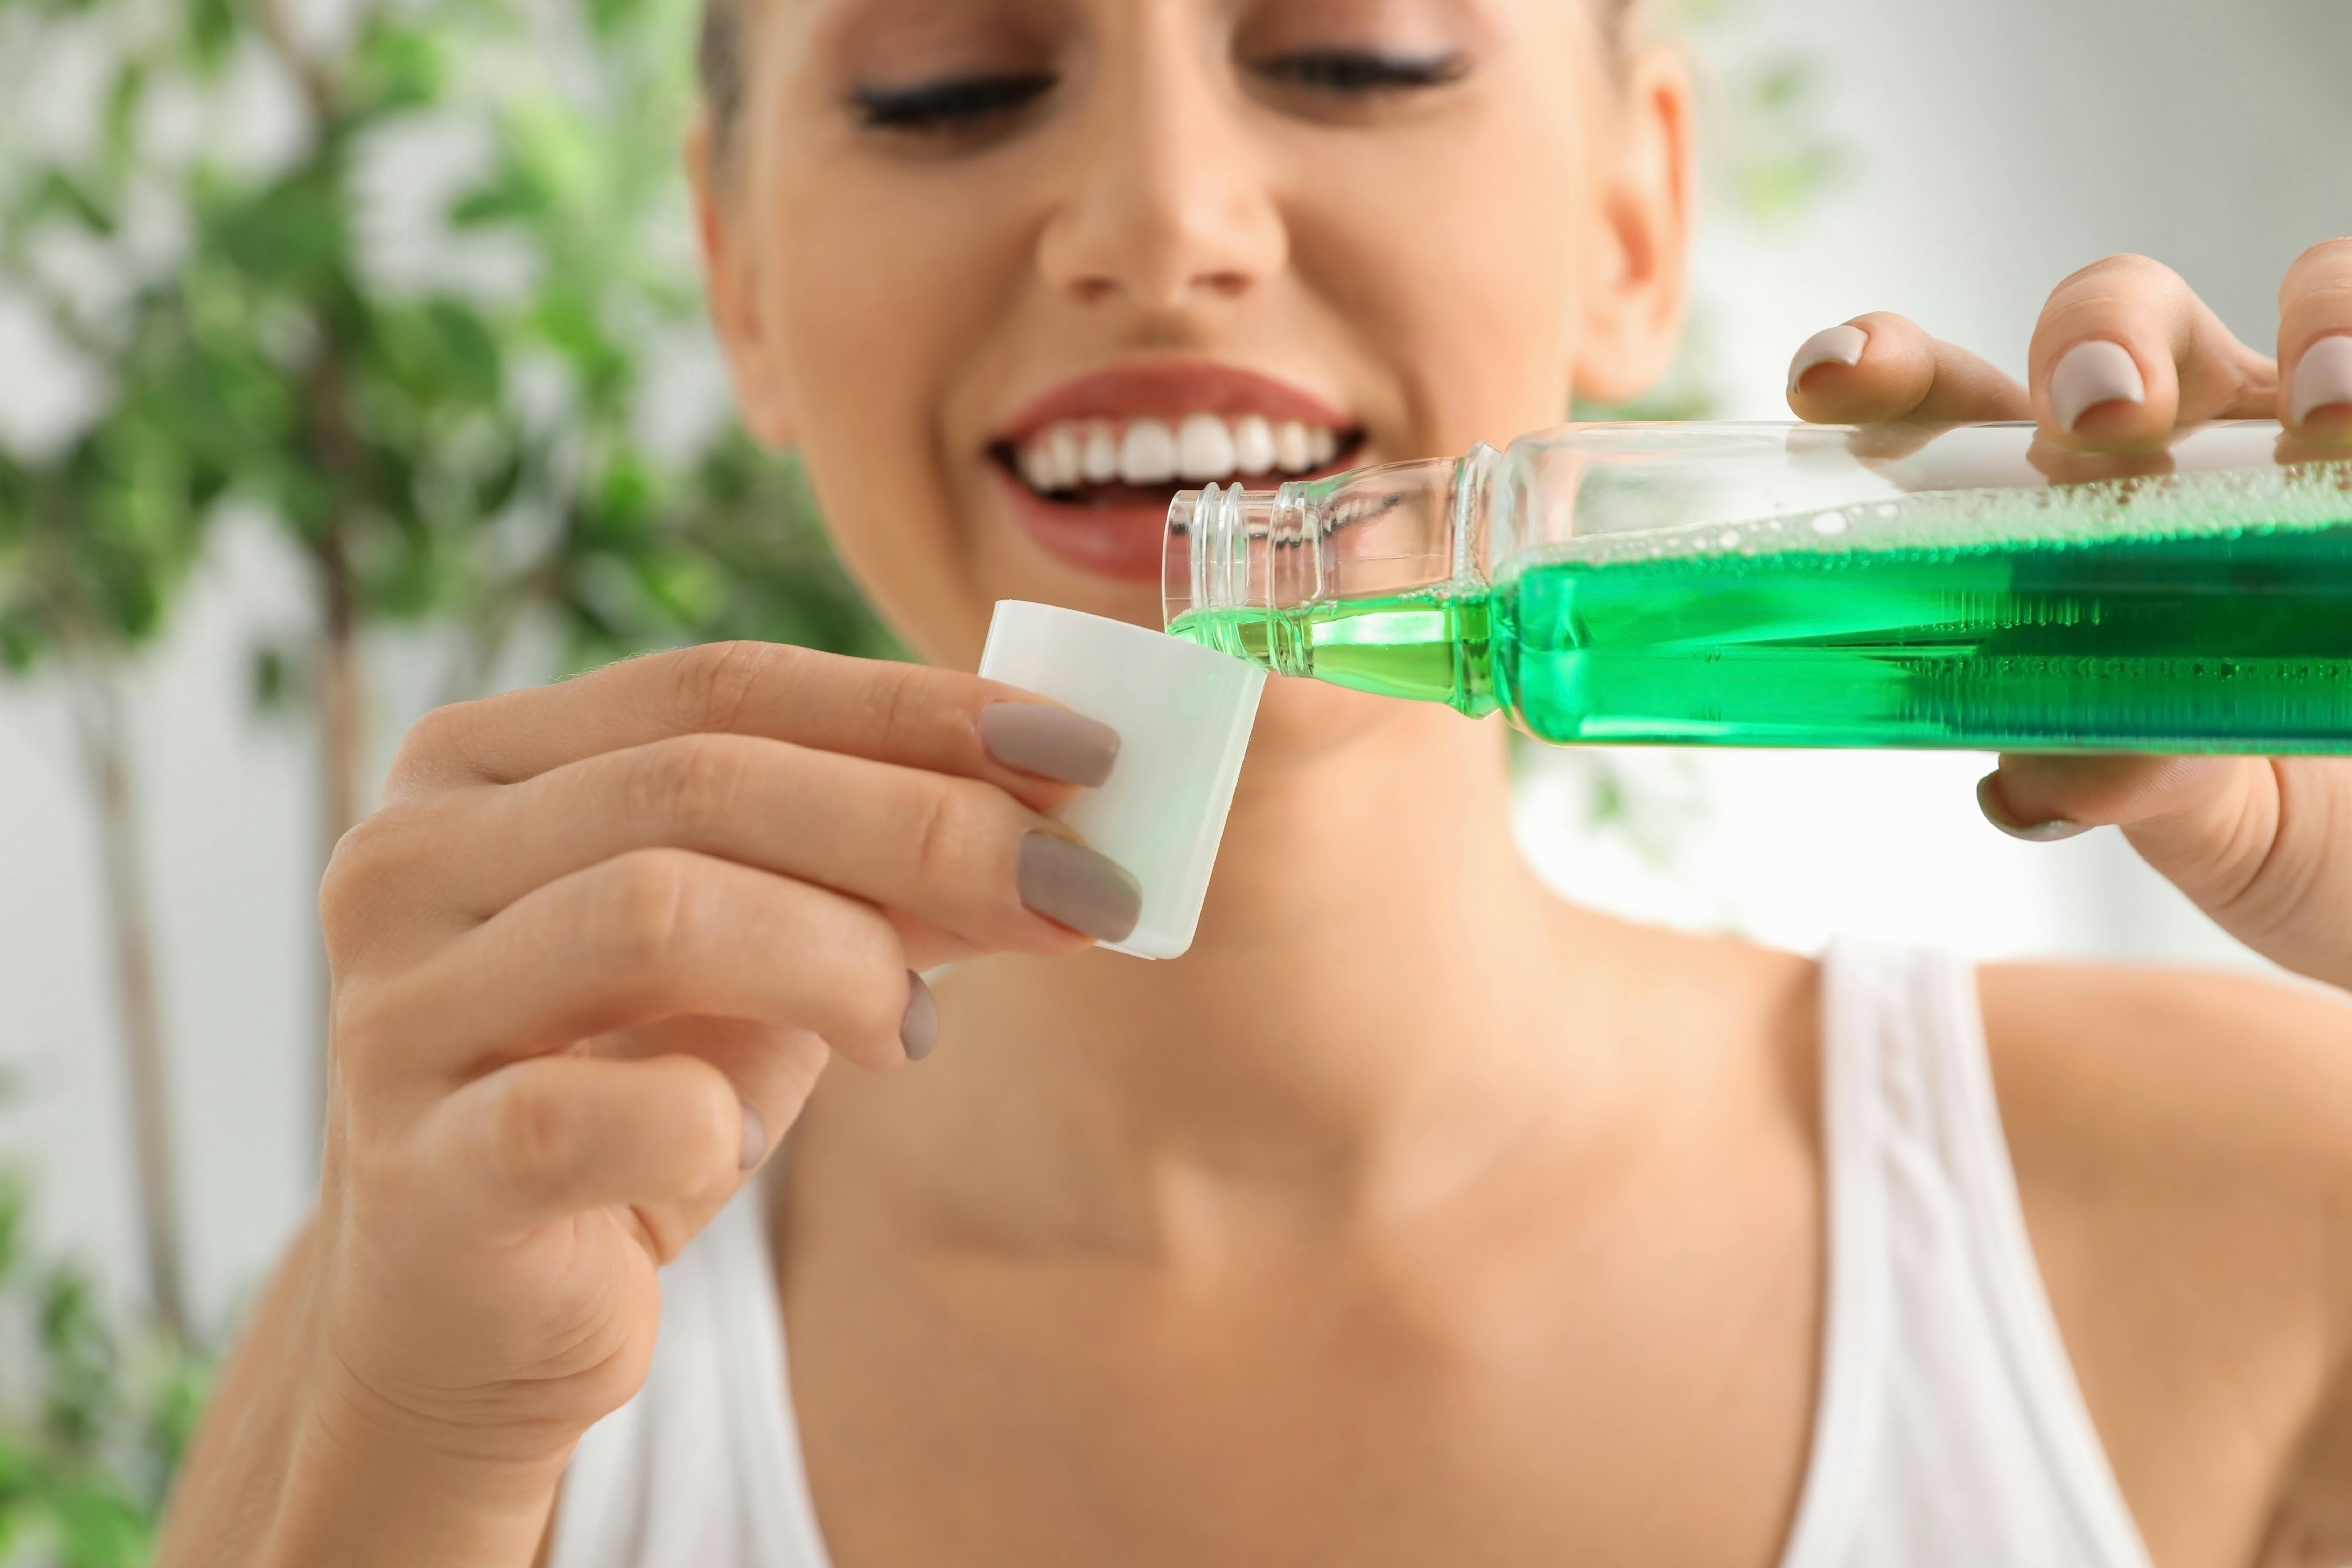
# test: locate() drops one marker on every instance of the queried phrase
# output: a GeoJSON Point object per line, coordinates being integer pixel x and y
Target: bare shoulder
{"type": "Point", "coordinates": [2175, 1077]}
{"type": "Point", "coordinates": [2183, 1147]}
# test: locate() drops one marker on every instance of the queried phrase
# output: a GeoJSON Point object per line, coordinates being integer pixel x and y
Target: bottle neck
{"type": "Point", "coordinates": [1378, 533]}
{"type": "Point", "coordinates": [1375, 579]}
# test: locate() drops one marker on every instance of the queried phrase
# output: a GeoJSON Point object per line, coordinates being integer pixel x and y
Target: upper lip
{"type": "Point", "coordinates": [1170, 389]}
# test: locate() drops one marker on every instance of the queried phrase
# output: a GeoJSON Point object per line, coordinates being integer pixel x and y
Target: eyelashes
{"type": "Point", "coordinates": [966, 104]}
{"type": "Point", "coordinates": [1362, 72]}
{"type": "Point", "coordinates": [950, 103]}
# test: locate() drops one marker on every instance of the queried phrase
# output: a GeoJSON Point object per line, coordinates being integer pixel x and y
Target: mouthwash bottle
{"type": "Point", "coordinates": [1807, 586]}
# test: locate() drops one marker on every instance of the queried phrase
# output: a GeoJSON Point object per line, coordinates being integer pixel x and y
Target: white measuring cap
{"type": "Point", "coordinates": [1183, 718]}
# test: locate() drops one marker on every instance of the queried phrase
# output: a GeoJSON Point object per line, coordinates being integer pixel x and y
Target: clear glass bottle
{"type": "Point", "coordinates": [1808, 586]}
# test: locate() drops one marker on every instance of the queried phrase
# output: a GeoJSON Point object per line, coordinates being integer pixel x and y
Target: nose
{"type": "Point", "coordinates": [1168, 206]}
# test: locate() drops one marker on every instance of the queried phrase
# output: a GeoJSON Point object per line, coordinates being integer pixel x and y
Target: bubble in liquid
{"type": "Point", "coordinates": [1830, 524]}
{"type": "Point", "coordinates": [1730, 540]}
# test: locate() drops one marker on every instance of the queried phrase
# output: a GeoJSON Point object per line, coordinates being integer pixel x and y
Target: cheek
{"type": "Point", "coordinates": [880, 293]}
{"type": "Point", "coordinates": [1456, 261]}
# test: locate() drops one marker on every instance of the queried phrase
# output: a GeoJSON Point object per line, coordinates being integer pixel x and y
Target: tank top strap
{"type": "Point", "coordinates": [1950, 1427]}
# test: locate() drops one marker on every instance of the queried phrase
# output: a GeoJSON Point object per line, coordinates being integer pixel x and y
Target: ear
{"type": "Point", "coordinates": [730, 282]}
{"type": "Point", "coordinates": [1637, 269]}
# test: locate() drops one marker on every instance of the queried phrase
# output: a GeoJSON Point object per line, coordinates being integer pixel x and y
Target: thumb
{"type": "Point", "coordinates": [2262, 846]}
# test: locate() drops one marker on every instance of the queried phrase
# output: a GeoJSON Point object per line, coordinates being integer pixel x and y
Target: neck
{"type": "Point", "coordinates": [1374, 1005]}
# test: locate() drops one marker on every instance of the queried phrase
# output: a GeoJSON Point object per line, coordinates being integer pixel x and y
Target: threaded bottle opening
{"type": "Point", "coordinates": [1245, 571]}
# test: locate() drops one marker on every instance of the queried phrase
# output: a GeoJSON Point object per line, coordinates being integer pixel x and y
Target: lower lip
{"type": "Point", "coordinates": [1121, 542]}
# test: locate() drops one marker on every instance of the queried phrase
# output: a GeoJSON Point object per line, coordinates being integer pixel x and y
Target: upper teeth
{"type": "Point", "coordinates": [1198, 447]}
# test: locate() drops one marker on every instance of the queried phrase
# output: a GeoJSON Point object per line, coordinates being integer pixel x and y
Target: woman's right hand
{"type": "Point", "coordinates": [589, 960]}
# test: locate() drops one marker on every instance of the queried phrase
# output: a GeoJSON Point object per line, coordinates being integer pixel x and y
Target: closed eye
{"type": "Point", "coordinates": [951, 104]}
{"type": "Point", "coordinates": [1362, 72]}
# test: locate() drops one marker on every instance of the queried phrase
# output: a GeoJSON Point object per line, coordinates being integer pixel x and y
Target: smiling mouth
{"type": "Point", "coordinates": [1144, 461]}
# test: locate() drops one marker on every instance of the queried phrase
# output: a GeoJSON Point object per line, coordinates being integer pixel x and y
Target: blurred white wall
{"type": "Point", "coordinates": [1995, 147]}
{"type": "Point", "coordinates": [1998, 145]}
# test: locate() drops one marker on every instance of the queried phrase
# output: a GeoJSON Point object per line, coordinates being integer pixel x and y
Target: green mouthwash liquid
{"type": "Point", "coordinates": [2087, 626]}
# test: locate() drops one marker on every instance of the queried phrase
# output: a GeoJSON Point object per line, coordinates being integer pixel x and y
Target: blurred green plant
{"type": "Point", "coordinates": [193, 205]}
{"type": "Point", "coordinates": [90, 1440]}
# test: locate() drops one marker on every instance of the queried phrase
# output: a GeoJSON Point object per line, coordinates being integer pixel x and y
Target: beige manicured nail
{"type": "Point", "coordinates": [2093, 373]}
{"type": "Point", "coordinates": [1838, 345]}
{"type": "Point", "coordinates": [918, 1030]}
{"type": "Point", "coordinates": [2324, 379]}
{"type": "Point", "coordinates": [755, 1140]}
{"type": "Point", "coordinates": [1049, 741]}
{"type": "Point", "coordinates": [1996, 812]}
{"type": "Point", "coordinates": [1091, 894]}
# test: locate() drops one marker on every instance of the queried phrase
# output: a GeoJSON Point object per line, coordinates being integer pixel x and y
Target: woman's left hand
{"type": "Point", "coordinates": [2125, 353]}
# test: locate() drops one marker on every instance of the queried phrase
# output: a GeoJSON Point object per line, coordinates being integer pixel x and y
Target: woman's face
{"type": "Point", "coordinates": [1010, 272]}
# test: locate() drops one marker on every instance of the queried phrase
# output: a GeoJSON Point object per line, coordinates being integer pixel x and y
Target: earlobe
{"type": "Point", "coordinates": [730, 285]}
{"type": "Point", "coordinates": [1636, 278]}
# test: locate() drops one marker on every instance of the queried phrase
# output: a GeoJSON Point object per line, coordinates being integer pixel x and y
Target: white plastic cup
{"type": "Point", "coordinates": [1183, 717]}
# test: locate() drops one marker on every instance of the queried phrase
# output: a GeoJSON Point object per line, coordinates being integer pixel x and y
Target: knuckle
{"type": "Point", "coordinates": [536, 1134]}
{"type": "Point", "coordinates": [431, 746]}
{"type": "Point", "coordinates": [941, 826]}
{"type": "Point", "coordinates": [365, 860]}
{"type": "Point", "coordinates": [644, 909]}
{"type": "Point", "coordinates": [899, 706]}
{"type": "Point", "coordinates": [692, 782]}
{"type": "Point", "coordinates": [713, 685]}
{"type": "Point", "coordinates": [358, 1014]}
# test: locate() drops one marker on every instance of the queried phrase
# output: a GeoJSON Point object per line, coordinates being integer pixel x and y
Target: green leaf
{"type": "Point", "coordinates": [123, 101]}
{"type": "Point", "coordinates": [60, 195]}
{"type": "Point", "coordinates": [610, 17]}
{"type": "Point", "coordinates": [291, 234]}
{"type": "Point", "coordinates": [398, 67]}
{"type": "Point", "coordinates": [212, 30]}
{"type": "Point", "coordinates": [275, 681]}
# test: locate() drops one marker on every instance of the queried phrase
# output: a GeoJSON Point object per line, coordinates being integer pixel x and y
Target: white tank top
{"type": "Point", "coordinates": [1948, 1429]}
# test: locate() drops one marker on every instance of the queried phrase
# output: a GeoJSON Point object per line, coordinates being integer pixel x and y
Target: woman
{"type": "Point", "coordinates": [1415, 1216]}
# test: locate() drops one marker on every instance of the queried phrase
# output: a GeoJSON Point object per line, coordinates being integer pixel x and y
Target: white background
{"type": "Point", "coordinates": [1995, 146]}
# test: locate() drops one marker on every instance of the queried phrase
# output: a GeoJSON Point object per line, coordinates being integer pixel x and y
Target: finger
{"type": "Point", "coordinates": [649, 935]}
{"type": "Point", "coordinates": [773, 1070]}
{"type": "Point", "coordinates": [940, 719]}
{"type": "Point", "coordinates": [542, 1140]}
{"type": "Point", "coordinates": [1883, 367]}
{"type": "Point", "coordinates": [2055, 797]}
{"type": "Point", "coordinates": [2126, 352]}
{"type": "Point", "coordinates": [2315, 344]}
{"type": "Point", "coordinates": [2262, 846]}
{"type": "Point", "coordinates": [947, 850]}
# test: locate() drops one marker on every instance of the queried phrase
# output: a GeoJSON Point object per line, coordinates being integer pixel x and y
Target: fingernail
{"type": "Point", "coordinates": [1838, 345]}
{"type": "Point", "coordinates": [1989, 801]}
{"type": "Point", "coordinates": [1052, 742]}
{"type": "Point", "coordinates": [919, 1031]}
{"type": "Point", "coordinates": [755, 1140]}
{"type": "Point", "coordinates": [2090, 374]}
{"type": "Point", "coordinates": [1070, 883]}
{"type": "Point", "coordinates": [2324, 379]}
